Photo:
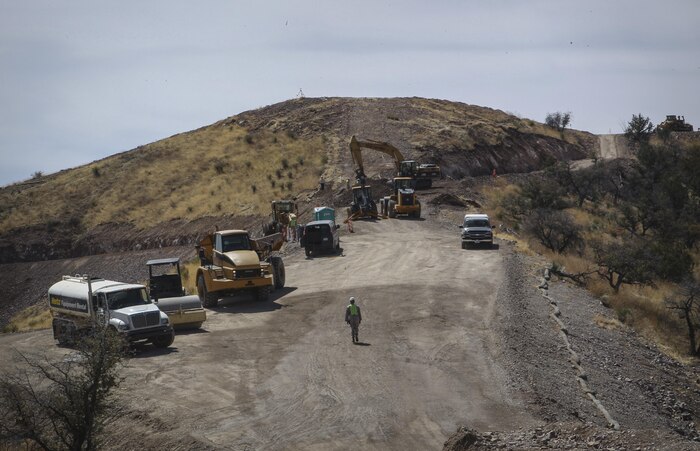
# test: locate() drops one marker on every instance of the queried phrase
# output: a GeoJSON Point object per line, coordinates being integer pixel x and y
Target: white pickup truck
{"type": "Point", "coordinates": [476, 229]}
{"type": "Point", "coordinates": [80, 303]}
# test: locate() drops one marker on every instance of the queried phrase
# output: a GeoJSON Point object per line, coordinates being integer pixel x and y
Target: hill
{"type": "Point", "coordinates": [169, 192]}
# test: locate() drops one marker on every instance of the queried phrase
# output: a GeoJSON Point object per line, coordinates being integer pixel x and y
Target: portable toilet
{"type": "Point", "coordinates": [324, 213]}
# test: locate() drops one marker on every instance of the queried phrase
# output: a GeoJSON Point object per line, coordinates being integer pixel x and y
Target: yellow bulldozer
{"type": "Point", "coordinates": [674, 123]}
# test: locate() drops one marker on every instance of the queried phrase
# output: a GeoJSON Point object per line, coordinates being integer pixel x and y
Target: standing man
{"type": "Point", "coordinates": [300, 229]}
{"type": "Point", "coordinates": [292, 227]}
{"type": "Point", "coordinates": [353, 316]}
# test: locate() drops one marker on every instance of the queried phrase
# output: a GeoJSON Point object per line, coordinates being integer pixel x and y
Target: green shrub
{"type": "Point", "coordinates": [623, 314]}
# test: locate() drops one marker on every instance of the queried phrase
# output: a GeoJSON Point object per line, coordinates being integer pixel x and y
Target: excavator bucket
{"type": "Point", "coordinates": [266, 245]}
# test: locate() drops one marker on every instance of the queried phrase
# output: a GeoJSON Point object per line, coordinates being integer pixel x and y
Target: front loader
{"type": "Point", "coordinates": [362, 206]}
{"type": "Point", "coordinates": [403, 201]}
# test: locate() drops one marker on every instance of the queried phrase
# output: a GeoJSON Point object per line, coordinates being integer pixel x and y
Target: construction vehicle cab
{"type": "Point", "coordinates": [404, 200]}
{"type": "Point", "coordinates": [279, 216]}
{"type": "Point", "coordinates": [164, 278]}
{"type": "Point", "coordinates": [362, 206]}
{"type": "Point", "coordinates": [423, 174]}
{"type": "Point", "coordinates": [166, 291]}
{"type": "Point", "coordinates": [232, 262]}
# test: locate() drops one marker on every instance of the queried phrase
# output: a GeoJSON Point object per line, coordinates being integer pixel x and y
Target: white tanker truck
{"type": "Point", "coordinates": [79, 303]}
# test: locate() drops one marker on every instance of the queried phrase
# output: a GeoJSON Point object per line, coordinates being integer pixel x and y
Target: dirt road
{"type": "Point", "coordinates": [285, 374]}
{"type": "Point", "coordinates": [613, 146]}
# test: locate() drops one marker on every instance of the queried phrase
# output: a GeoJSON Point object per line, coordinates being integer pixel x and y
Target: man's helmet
{"type": "Point", "coordinates": [352, 300]}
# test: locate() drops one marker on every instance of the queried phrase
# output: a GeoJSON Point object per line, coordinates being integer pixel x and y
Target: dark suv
{"type": "Point", "coordinates": [319, 237]}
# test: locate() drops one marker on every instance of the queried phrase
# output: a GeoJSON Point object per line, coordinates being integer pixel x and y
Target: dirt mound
{"type": "Point", "coordinates": [453, 200]}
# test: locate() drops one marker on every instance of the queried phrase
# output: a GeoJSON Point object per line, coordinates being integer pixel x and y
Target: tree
{"type": "Point", "coordinates": [633, 219]}
{"type": "Point", "coordinates": [638, 130]}
{"type": "Point", "coordinates": [631, 262]}
{"type": "Point", "coordinates": [554, 229]}
{"type": "Point", "coordinates": [583, 183]}
{"type": "Point", "coordinates": [558, 120]}
{"type": "Point", "coordinates": [542, 193]}
{"type": "Point", "coordinates": [687, 302]}
{"type": "Point", "coordinates": [62, 405]}
{"type": "Point", "coordinates": [672, 261]}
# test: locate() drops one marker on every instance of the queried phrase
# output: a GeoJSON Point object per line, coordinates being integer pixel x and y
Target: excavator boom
{"type": "Point", "coordinates": [423, 173]}
{"type": "Point", "coordinates": [356, 151]}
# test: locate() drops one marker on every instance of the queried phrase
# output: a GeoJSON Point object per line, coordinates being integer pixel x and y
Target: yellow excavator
{"type": "Point", "coordinates": [423, 174]}
{"type": "Point", "coordinates": [403, 201]}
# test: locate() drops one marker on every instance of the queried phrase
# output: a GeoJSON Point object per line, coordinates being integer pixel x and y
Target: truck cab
{"type": "Point", "coordinates": [79, 303]}
{"type": "Point", "coordinates": [232, 262]}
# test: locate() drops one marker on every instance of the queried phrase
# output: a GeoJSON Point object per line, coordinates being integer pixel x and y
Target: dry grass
{"type": "Point", "coordinates": [459, 126]}
{"type": "Point", "coordinates": [496, 196]}
{"type": "Point", "coordinates": [36, 317]}
{"type": "Point", "coordinates": [607, 323]}
{"type": "Point", "coordinates": [226, 168]}
{"type": "Point", "coordinates": [210, 171]}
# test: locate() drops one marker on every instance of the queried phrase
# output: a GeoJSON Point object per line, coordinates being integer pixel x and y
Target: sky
{"type": "Point", "coordinates": [84, 79]}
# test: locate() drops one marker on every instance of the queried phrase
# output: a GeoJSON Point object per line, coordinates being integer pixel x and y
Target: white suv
{"type": "Point", "coordinates": [476, 229]}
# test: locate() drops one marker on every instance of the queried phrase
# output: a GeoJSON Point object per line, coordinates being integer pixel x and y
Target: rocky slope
{"type": "Point", "coordinates": [171, 191]}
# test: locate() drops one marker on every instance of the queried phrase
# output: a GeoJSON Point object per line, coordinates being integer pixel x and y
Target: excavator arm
{"type": "Point", "coordinates": [356, 147]}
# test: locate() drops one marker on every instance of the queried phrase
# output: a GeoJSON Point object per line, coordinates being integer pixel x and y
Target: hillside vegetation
{"type": "Point", "coordinates": [235, 167]}
{"type": "Point", "coordinates": [628, 230]}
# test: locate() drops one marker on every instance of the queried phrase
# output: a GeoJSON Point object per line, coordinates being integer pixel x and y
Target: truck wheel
{"type": "Point", "coordinates": [464, 244]}
{"type": "Point", "coordinates": [207, 299]}
{"type": "Point", "coordinates": [278, 272]}
{"type": "Point", "coordinates": [307, 251]}
{"type": "Point", "coordinates": [163, 341]}
{"type": "Point", "coordinates": [392, 209]}
{"type": "Point", "coordinates": [262, 294]}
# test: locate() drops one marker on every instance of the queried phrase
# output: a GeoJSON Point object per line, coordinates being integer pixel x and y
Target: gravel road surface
{"type": "Point", "coordinates": [285, 374]}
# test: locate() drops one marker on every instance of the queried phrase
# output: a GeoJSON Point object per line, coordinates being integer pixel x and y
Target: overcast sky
{"type": "Point", "coordinates": [81, 80]}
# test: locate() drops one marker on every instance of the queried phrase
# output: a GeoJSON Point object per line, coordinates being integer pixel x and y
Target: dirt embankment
{"type": "Point", "coordinates": [654, 399]}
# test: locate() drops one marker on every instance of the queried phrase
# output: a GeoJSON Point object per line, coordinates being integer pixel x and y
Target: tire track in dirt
{"type": "Point", "coordinates": [285, 375]}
